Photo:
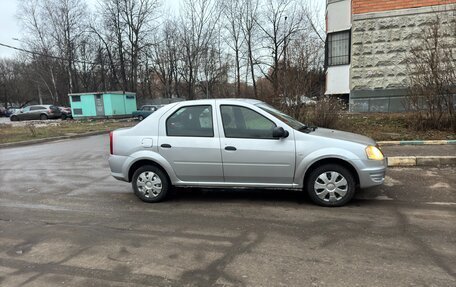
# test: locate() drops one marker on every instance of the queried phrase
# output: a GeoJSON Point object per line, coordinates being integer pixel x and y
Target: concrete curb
{"type": "Point", "coordinates": [417, 142]}
{"type": "Point", "coordinates": [404, 161]}
{"type": "Point", "coordinates": [37, 141]}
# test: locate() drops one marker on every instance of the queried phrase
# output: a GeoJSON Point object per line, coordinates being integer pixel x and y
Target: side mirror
{"type": "Point", "coordinates": [279, 132]}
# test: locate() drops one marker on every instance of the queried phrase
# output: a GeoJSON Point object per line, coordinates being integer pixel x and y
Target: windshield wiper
{"type": "Point", "coordinates": [307, 129]}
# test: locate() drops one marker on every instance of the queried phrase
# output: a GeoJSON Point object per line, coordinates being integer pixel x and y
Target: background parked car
{"type": "Point", "coordinates": [11, 110]}
{"type": "Point", "coordinates": [37, 112]}
{"type": "Point", "coordinates": [66, 113]}
{"type": "Point", "coordinates": [145, 111]}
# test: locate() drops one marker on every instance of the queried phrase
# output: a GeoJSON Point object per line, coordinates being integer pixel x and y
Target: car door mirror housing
{"type": "Point", "coordinates": [279, 132]}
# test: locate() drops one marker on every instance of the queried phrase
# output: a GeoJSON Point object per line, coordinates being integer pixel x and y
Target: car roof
{"type": "Point", "coordinates": [223, 100]}
{"type": "Point", "coordinates": [45, 106]}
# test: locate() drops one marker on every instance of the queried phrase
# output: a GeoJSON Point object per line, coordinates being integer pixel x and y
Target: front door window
{"type": "Point", "coordinates": [242, 122]}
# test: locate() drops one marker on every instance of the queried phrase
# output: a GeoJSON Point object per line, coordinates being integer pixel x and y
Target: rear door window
{"type": "Point", "coordinates": [36, 108]}
{"type": "Point", "coordinates": [191, 121]}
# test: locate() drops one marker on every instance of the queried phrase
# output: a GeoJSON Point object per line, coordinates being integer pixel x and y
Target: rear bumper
{"type": "Point", "coordinates": [116, 164]}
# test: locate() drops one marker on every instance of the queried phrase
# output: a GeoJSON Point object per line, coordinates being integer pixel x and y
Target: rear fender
{"type": "Point", "coordinates": [152, 156]}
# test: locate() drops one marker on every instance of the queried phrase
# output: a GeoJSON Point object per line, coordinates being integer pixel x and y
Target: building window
{"type": "Point", "coordinates": [76, 98]}
{"type": "Point", "coordinates": [77, 111]}
{"type": "Point", "coordinates": [338, 48]}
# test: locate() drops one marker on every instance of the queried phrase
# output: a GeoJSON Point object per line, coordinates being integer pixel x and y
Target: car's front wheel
{"type": "Point", "coordinates": [150, 183]}
{"type": "Point", "coordinates": [140, 118]}
{"type": "Point", "coordinates": [14, 118]}
{"type": "Point", "coordinates": [331, 185]}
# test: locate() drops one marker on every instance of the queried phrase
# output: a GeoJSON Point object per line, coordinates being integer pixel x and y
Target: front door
{"type": "Point", "coordinates": [249, 152]}
{"type": "Point", "coordinates": [189, 141]}
{"type": "Point", "coordinates": [26, 113]}
{"type": "Point", "coordinates": [99, 105]}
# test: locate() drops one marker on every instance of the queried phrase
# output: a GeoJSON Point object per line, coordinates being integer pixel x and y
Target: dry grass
{"type": "Point", "coordinates": [390, 127]}
{"type": "Point", "coordinates": [36, 130]}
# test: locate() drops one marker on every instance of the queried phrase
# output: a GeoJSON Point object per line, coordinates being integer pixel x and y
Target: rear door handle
{"type": "Point", "coordinates": [230, 148]}
{"type": "Point", "coordinates": [166, 146]}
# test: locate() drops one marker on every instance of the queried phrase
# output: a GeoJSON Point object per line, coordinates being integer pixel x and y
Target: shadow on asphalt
{"type": "Point", "coordinates": [209, 194]}
{"type": "Point", "coordinates": [248, 195]}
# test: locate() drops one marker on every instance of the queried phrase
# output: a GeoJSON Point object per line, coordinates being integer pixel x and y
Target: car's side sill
{"type": "Point", "coordinates": [236, 185]}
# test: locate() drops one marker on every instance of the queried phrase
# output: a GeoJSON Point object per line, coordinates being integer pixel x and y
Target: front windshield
{"type": "Point", "coordinates": [292, 122]}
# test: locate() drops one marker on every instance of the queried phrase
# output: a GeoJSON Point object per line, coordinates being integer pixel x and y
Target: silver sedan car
{"type": "Point", "coordinates": [242, 143]}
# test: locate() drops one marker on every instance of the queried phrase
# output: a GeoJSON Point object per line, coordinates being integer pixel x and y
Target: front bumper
{"type": "Point", "coordinates": [371, 172]}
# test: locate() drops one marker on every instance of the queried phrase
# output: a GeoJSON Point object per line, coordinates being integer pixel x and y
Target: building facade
{"type": "Point", "coordinates": [102, 105]}
{"type": "Point", "coordinates": [368, 43]}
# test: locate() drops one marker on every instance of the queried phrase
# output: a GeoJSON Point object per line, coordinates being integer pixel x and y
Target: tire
{"type": "Point", "coordinates": [64, 117]}
{"type": "Point", "coordinates": [140, 118]}
{"type": "Point", "coordinates": [148, 174]}
{"type": "Point", "coordinates": [14, 118]}
{"type": "Point", "coordinates": [326, 191]}
{"type": "Point", "coordinates": [43, 117]}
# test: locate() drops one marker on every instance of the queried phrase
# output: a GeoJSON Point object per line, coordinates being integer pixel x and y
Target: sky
{"type": "Point", "coordinates": [10, 27]}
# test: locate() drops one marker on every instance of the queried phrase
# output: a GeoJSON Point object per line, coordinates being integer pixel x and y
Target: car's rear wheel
{"type": "Point", "coordinates": [150, 183]}
{"type": "Point", "coordinates": [331, 185]}
{"type": "Point", "coordinates": [141, 118]}
{"type": "Point", "coordinates": [43, 117]}
{"type": "Point", "coordinates": [14, 118]}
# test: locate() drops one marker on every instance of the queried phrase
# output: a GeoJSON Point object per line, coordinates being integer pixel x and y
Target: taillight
{"type": "Point", "coordinates": [50, 111]}
{"type": "Point", "coordinates": [111, 143]}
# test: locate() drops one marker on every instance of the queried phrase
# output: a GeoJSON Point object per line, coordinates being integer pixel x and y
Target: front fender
{"type": "Point", "coordinates": [152, 156]}
{"type": "Point", "coordinates": [307, 161]}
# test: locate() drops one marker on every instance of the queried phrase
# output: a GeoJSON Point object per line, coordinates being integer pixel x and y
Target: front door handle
{"type": "Point", "coordinates": [166, 146]}
{"type": "Point", "coordinates": [232, 148]}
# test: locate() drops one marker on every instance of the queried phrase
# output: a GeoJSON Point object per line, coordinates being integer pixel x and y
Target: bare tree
{"type": "Point", "coordinates": [249, 28]}
{"type": "Point", "coordinates": [282, 20]}
{"type": "Point", "coordinates": [234, 13]}
{"type": "Point", "coordinates": [432, 76]}
{"type": "Point", "coordinates": [33, 18]}
{"type": "Point", "coordinates": [138, 17]}
{"type": "Point", "coordinates": [197, 27]}
{"type": "Point", "coordinates": [164, 55]}
{"type": "Point", "coordinates": [66, 25]}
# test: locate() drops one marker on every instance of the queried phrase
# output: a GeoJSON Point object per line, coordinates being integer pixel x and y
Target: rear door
{"type": "Point", "coordinates": [249, 152]}
{"type": "Point", "coordinates": [189, 141]}
{"type": "Point", "coordinates": [35, 112]}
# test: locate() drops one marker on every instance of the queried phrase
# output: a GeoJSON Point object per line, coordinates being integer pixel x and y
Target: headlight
{"type": "Point", "coordinates": [374, 153]}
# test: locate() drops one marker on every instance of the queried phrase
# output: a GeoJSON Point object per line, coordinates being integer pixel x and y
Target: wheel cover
{"type": "Point", "coordinates": [331, 186]}
{"type": "Point", "coordinates": [149, 184]}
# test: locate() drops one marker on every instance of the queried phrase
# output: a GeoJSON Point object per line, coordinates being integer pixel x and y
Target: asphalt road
{"type": "Point", "coordinates": [65, 221]}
